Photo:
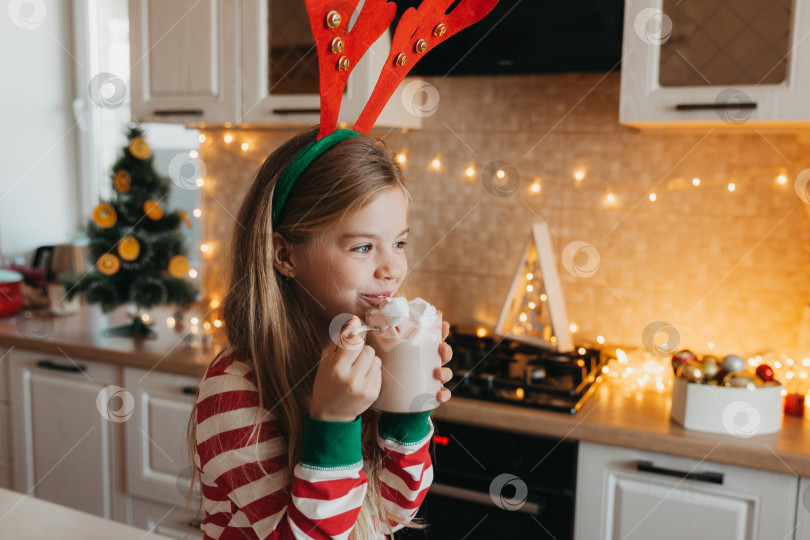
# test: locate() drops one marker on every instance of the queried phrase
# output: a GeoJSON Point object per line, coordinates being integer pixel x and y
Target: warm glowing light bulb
{"type": "Point", "coordinates": [500, 173]}
{"type": "Point", "coordinates": [610, 197]}
{"type": "Point", "coordinates": [579, 174]}
{"type": "Point", "coordinates": [214, 303]}
{"type": "Point", "coordinates": [481, 332]}
{"type": "Point", "coordinates": [520, 393]}
{"type": "Point", "coordinates": [193, 154]}
{"type": "Point", "coordinates": [197, 212]}
{"type": "Point", "coordinates": [581, 350]}
{"type": "Point", "coordinates": [535, 187]}
{"type": "Point", "coordinates": [436, 163]}
{"type": "Point", "coordinates": [200, 182]}
{"type": "Point", "coordinates": [789, 375]}
{"type": "Point", "coordinates": [170, 322]}
{"type": "Point", "coordinates": [789, 361]}
{"type": "Point", "coordinates": [530, 276]}
{"type": "Point", "coordinates": [731, 186]}
{"type": "Point", "coordinates": [600, 339]}
{"type": "Point", "coordinates": [227, 138]}
{"type": "Point", "coordinates": [192, 273]}
{"type": "Point", "coordinates": [529, 288]}
{"type": "Point", "coordinates": [532, 305]}
{"type": "Point", "coordinates": [806, 362]}
{"type": "Point", "coordinates": [218, 323]}
{"type": "Point", "coordinates": [245, 146]}
{"type": "Point", "coordinates": [695, 181]}
{"type": "Point", "coordinates": [195, 320]}
{"type": "Point", "coordinates": [207, 325]}
{"type": "Point", "coordinates": [573, 327]}
{"type": "Point", "coordinates": [201, 138]}
{"type": "Point", "coordinates": [401, 159]}
{"type": "Point", "coordinates": [145, 317]}
{"type": "Point", "coordinates": [205, 248]}
{"type": "Point", "coordinates": [711, 344]}
{"type": "Point", "coordinates": [543, 297]}
{"type": "Point", "coordinates": [652, 197]}
{"type": "Point", "coordinates": [523, 317]}
{"type": "Point", "coordinates": [781, 179]}
{"type": "Point", "coordinates": [470, 172]}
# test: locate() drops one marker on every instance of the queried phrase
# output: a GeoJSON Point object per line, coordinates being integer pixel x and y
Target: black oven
{"type": "Point", "coordinates": [493, 484]}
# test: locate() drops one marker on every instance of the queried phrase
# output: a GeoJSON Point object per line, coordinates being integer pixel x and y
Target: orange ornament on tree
{"type": "Point", "coordinates": [153, 210]}
{"type": "Point", "coordinates": [185, 218]}
{"type": "Point", "coordinates": [178, 266]}
{"type": "Point", "coordinates": [139, 148]}
{"type": "Point", "coordinates": [129, 248]}
{"type": "Point", "coordinates": [104, 215]}
{"type": "Point", "coordinates": [108, 264]}
{"type": "Point", "coordinates": [123, 181]}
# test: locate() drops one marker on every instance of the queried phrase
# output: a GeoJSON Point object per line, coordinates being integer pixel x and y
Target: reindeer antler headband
{"type": "Point", "coordinates": [339, 49]}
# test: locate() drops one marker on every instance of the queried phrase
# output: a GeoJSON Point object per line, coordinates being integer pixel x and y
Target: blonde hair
{"type": "Point", "coordinates": [264, 314]}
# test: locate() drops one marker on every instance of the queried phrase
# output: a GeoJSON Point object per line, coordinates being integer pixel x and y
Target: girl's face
{"type": "Point", "coordinates": [355, 266]}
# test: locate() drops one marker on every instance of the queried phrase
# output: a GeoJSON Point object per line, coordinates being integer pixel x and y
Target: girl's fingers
{"type": "Point", "coordinates": [445, 329]}
{"type": "Point", "coordinates": [443, 374]}
{"type": "Point", "coordinates": [446, 352]}
{"type": "Point", "coordinates": [443, 395]}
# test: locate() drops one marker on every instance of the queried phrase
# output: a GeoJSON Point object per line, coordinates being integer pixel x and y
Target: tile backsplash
{"type": "Point", "coordinates": [720, 266]}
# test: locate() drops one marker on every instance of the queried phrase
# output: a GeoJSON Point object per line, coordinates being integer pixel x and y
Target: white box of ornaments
{"type": "Point", "coordinates": [722, 397]}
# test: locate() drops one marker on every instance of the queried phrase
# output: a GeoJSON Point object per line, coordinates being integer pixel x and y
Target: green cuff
{"type": "Point", "coordinates": [404, 428]}
{"type": "Point", "coordinates": [331, 445]}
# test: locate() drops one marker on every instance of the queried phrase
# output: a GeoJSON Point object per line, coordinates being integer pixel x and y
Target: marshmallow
{"type": "Point", "coordinates": [395, 310]}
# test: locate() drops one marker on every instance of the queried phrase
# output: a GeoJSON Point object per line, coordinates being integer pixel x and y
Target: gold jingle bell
{"type": "Point", "coordinates": [691, 372]}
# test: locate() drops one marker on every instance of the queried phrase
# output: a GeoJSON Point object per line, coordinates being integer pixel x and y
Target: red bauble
{"type": "Point", "coordinates": [682, 357]}
{"type": "Point", "coordinates": [765, 372]}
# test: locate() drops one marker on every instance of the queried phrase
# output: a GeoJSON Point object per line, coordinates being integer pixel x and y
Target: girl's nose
{"type": "Point", "coordinates": [390, 266]}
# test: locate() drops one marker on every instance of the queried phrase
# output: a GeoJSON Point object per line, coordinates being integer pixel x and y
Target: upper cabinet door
{"type": "Point", "coordinates": [280, 80]}
{"type": "Point", "coordinates": [184, 61]}
{"type": "Point", "coordinates": [715, 63]}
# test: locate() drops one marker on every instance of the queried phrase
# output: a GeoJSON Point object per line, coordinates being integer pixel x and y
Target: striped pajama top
{"type": "Point", "coordinates": [328, 484]}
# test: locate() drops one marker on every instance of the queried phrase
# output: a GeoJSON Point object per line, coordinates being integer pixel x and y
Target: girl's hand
{"type": "Point", "coordinates": [348, 378]}
{"type": "Point", "coordinates": [444, 374]}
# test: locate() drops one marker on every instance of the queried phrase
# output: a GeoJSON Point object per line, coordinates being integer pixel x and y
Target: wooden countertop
{"type": "Point", "coordinates": [612, 415]}
{"type": "Point", "coordinates": [28, 518]}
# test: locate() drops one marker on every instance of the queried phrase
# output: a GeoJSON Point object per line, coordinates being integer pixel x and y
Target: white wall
{"type": "Point", "coordinates": [38, 134]}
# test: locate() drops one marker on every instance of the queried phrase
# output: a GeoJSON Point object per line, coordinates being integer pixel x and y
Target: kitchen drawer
{"type": "Point", "coordinates": [158, 463]}
{"type": "Point", "coordinates": [168, 520]}
{"type": "Point", "coordinates": [5, 432]}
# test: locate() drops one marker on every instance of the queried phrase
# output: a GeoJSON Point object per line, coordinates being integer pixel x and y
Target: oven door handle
{"type": "Point", "coordinates": [477, 497]}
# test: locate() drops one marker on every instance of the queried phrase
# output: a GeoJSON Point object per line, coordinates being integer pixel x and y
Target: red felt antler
{"type": "Point", "coordinates": [339, 49]}
{"type": "Point", "coordinates": [419, 30]}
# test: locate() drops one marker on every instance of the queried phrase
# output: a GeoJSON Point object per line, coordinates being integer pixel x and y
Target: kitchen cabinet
{"type": "Point", "coordinates": [158, 463]}
{"type": "Point", "coordinates": [803, 510]}
{"type": "Point", "coordinates": [715, 63]}
{"type": "Point", "coordinates": [65, 450]}
{"type": "Point", "coordinates": [248, 62]}
{"type": "Point", "coordinates": [184, 61]}
{"type": "Point", "coordinates": [167, 520]}
{"type": "Point", "coordinates": [5, 419]}
{"type": "Point", "coordinates": [631, 494]}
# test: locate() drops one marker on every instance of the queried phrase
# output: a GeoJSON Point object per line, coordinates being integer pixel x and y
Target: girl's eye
{"type": "Point", "coordinates": [402, 244]}
{"type": "Point", "coordinates": [362, 249]}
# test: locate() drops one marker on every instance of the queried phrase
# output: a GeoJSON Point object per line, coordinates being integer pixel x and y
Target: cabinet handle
{"type": "Point", "coordinates": [710, 477]}
{"type": "Point", "coordinates": [297, 111]}
{"type": "Point", "coordinates": [178, 112]}
{"type": "Point", "coordinates": [190, 390]}
{"type": "Point", "coordinates": [478, 497]}
{"type": "Point", "coordinates": [714, 106]}
{"type": "Point", "coordinates": [50, 364]}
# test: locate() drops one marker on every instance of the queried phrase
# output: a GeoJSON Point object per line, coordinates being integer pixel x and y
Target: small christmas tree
{"type": "Point", "coordinates": [137, 247]}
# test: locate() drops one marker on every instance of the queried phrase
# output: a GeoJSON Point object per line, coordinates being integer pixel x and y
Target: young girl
{"type": "Point", "coordinates": [282, 435]}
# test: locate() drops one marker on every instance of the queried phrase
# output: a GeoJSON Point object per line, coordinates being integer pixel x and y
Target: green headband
{"type": "Point", "coordinates": [300, 163]}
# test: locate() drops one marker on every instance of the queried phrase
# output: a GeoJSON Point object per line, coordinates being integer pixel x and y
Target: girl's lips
{"type": "Point", "coordinates": [376, 299]}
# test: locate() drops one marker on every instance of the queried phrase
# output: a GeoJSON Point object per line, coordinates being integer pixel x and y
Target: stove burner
{"type": "Point", "coordinates": [509, 371]}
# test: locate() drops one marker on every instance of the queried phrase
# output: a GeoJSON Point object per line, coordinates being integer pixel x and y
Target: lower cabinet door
{"type": "Point", "coordinates": [633, 495]}
{"type": "Point", "coordinates": [803, 513]}
{"type": "Point", "coordinates": [67, 416]}
{"type": "Point", "coordinates": [168, 520]}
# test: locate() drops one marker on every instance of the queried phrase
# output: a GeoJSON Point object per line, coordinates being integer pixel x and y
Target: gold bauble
{"type": "Point", "coordinates": [104, 215]}
{"type": "Point", "coordinates": [108, 264]}
{"type": "Point", "coordinates": [178, 266]}
{"type": "Point", "coordinates": [139, 148]}
{"type": "Point", "coordinates": [691, 372]}
{"type": "Point", "coordinates": [129, 248]}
